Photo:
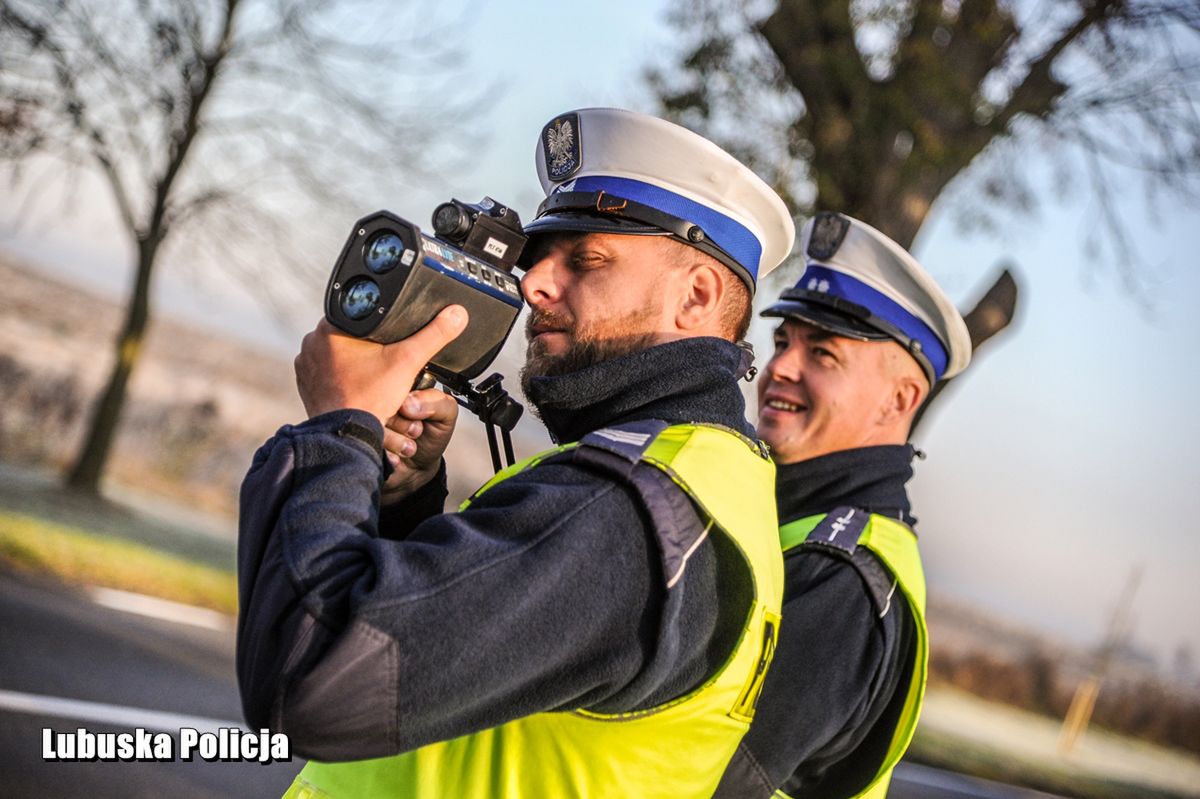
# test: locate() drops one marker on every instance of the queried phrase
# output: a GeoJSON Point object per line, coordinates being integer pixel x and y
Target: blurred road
{"type": "Point", "coordinates": [119, 670]}
{"type": "Point", "coordinates": [58, 644]}
{"type": "Point", "coordinates": [913, 781]}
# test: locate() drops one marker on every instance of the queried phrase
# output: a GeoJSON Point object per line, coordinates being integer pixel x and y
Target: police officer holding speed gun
{"type": "Point", "coordinates": [863, 336]}
{"type": "Point", "coordinates": [596, 620]}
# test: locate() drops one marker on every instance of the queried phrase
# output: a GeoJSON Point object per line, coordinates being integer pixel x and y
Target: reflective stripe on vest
{"type": "Point", "coordinates": [895, 544]}
{"type": "Point", "coordinates": [677, 749]}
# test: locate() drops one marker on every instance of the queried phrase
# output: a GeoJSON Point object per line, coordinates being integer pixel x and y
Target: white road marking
{"type": "Point", "coordinates": [159, 608]}
{"type": "Point", "coordinates": [101, 713]}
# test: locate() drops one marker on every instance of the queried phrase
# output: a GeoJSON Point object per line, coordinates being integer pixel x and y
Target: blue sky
{"type": "Point", "coordinates": [1064, 457]}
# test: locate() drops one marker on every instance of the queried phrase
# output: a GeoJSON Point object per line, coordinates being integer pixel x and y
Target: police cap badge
{"type": "Point", "coordinates": [828, 230]}
{"type": "Point", "coordinates": [561, 146]}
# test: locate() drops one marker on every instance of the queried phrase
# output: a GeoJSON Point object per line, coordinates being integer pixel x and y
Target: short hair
{"type": "Point", "coordinates": [736, 309]}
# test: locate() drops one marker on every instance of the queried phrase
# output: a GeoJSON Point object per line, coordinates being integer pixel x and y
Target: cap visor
{"type": "Point", "coordinates": [825, 318]}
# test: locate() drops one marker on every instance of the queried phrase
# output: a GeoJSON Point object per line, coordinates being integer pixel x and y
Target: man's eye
{"type": "Point", "coordinates": [823, 353]}
{"type": "Point", "coordinates": [780, 345]}
{"type": "Point", "coordinates": [587, 260]}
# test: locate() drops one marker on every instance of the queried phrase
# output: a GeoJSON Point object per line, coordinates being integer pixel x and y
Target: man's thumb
{"type": "Point", "coordinates": [429, 340]}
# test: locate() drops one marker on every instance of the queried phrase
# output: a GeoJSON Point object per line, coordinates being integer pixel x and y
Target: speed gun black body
{"type": "Point", "coordinates": [391, 280]}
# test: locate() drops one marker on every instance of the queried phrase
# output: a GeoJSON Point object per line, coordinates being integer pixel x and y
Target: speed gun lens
{"type": "Point", "coordinates": [361, 298]}
{"type": "Point", "coordinates": [384, 252]}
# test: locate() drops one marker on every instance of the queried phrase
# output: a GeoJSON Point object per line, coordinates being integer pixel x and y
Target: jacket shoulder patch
{"type": "Point", "coordinates": [839, 530]}
{"type": "Point", "coordinates": [627, 441]}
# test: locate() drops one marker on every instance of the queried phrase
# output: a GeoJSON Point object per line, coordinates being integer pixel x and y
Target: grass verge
{"type": "Point", "coordinates": [72, 555]}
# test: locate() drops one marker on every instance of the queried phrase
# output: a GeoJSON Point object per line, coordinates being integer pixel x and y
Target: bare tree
{"type": "Point", "coordinates": [226, 129]}
{"type": "Point", "coordinates": [875, 108]}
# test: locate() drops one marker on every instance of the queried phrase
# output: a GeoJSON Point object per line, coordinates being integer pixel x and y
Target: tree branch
{"type": "Point", "coordinates": [39, 37]}
{"type": "Point", "coordinates": [1037, 92]}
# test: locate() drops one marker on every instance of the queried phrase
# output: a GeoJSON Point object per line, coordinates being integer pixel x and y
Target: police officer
{"type": "Point", "coordinates": [596, 620]}
{"type": "Point", "coordinates": [864, 335]}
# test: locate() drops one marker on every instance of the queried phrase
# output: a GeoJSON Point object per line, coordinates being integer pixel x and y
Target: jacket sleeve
{"type": "Point", "coordinates": [398, 519]}
{"type": "Point", "coordinates": [837, 665]}
{"type": "Point", "coordinates": [358, 646]}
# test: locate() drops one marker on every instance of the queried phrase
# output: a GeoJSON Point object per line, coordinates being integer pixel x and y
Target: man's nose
{"type": "Point", "coordinates": [540, 283]}
{"type": "Point", "coordinates": [786, 366]}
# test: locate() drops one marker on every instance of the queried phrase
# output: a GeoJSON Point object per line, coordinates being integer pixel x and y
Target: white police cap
{"type": "Point", "coordinates": [616, 171]}
{"type": "Point", "coordinates": [859, 283]}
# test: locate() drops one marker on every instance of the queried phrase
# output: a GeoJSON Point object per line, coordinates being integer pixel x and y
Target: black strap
{"type": "Point", "coordinates": [838, 534]}
{"type": "Point", "coordinates": [617, 451]}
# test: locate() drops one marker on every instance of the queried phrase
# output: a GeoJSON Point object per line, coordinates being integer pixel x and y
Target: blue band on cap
{"type": "Point", "coordinates": [728, 234]}
{"type": "Point", "coordinates": [839, 284]}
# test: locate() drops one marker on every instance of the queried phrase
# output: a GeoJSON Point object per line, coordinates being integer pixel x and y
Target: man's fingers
{"type": "Point", "coordinates": [431, 404]}
{"type": "Point", "coordinates": [405, 426]}
{"type": "Point", "coordinates": [398, 444]}
{"type": "Point", "coordinates": [419, 348]}
{"type": "Point", "coordinates": [336, 371]}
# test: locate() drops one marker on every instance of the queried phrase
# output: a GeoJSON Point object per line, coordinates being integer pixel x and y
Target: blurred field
{"type": "Point", "coordinates": [1016, 667]}
{"type": "Point", "coordinates": [199, 403]}
{"type": "Point", "coordinates": [198, 407]}
{"type": "Point", "coordinates": [962, 732]}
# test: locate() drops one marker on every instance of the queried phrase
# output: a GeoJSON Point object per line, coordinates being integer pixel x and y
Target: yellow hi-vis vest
{"type": "Point", "coordinates": [676, 749]}
{"type": "Point", "coordinates": [895, 544]}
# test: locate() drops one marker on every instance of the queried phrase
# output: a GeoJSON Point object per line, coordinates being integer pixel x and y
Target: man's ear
{"type": "Point", "coordinates": [910, 394]}
{"type": "Point", "coordinates": [700, 305]}
{"type": "Point", "coordinates": [907, 393]}
{"type": "Point", "coordinates": [908, 387]}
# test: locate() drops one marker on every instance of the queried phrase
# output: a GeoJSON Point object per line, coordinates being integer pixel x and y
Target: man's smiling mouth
{"type": "Point", "coordinates": [784, 405]}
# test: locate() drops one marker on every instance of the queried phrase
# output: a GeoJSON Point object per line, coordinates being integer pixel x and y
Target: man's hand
{"type": "Point", "coordinates": [414, 440]}
{"type": "Point", "coordinates": [336, 371]}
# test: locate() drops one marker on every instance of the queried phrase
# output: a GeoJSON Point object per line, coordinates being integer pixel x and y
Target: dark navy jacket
{"type": "Point", "coordinates": [363, 634]}
{"type": "Point", "coordinates": [826, 713]}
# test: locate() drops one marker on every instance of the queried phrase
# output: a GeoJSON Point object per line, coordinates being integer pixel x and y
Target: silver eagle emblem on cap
{"type": "Point", "coordinates": [560, 141]}
{"type": "Point", "coordinates": [828, 230]}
